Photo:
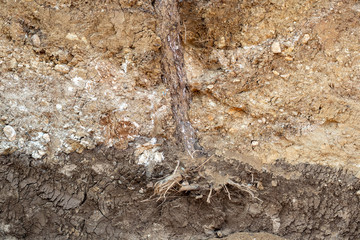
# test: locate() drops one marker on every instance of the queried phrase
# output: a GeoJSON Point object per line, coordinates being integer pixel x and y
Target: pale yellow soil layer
{"type": "Point", "coordinates": [270, 79]}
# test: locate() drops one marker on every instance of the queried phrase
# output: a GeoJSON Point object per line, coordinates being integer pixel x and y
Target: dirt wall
{"type": "Point", "coordinates": [84, 107]}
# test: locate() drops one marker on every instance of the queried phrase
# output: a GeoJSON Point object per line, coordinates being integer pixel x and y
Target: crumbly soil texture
{"type": "Point", "coordinates": [88, 123]}
{"type": "Point", "coordinates": [104, 194]}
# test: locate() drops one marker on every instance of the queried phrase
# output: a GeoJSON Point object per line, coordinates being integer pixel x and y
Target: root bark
{"type": "Point", "coordinates": [174, 74]}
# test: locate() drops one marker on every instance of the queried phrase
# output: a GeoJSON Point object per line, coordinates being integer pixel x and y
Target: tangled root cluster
{"type": "Point", "coordinates": [178, 182]}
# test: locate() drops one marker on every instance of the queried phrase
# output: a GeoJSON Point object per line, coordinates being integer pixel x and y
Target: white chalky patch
{"type": "Point", "coordinates": [150, 156]}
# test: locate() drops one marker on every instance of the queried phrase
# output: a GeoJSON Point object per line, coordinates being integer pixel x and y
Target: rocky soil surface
{"type": "Point", "coordinates": [87, 128]}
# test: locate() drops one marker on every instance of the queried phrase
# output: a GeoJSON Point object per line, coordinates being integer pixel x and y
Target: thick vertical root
{"type": "Point", "coordinates": [174, 74]}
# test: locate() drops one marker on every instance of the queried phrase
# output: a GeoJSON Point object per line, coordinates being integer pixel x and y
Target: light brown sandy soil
{"type": "Point", "coordinates": [300, 105]}
{"type": "Point", "coordinates": [275, 100]}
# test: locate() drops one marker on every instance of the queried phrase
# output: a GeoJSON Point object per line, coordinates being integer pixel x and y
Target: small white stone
{"type": "Point", "coordinates": [276, 73]}
{"type": "Point", "coordinates": [72, 37]}
{"type": "Point", "coordinates": [275, 47]}
{"type": "Point", "coordinates": [36, 155]}
{"type": "Point", "coordinates": [62, 68]}
{"type": "Point", "coordinates": [305, 39]}
{"type": "Point", "coordinates": [10, 133]}
{"type": "Point", "coordinates": [36, 40]}
{"type": "Point", "coordinates": [84, 40]}
{"type": "Point", "coordinates": [46, 137]}
{"type": "Point", "coordinates": [58, 107]}
{"type": "Point", "coordinates": [254, 143]}
{"type": "Point", "coordinates": [274, 183]}
{"type": "Point", "coordinates": [41, 153]}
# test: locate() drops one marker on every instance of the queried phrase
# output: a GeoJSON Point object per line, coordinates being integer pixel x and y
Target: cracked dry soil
{"type": "Point", "coordinates": [106, 195]}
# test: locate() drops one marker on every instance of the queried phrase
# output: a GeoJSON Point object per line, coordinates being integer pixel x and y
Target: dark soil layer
{"type": "Point", "coordinates": [37, 201]}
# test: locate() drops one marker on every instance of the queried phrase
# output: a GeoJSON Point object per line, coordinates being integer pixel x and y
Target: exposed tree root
{"type": "Point", "coordinates": [178, 181]}
{"type": "Point", "coordinates": [162, 187]}
{"type": "Point", "coordinates": [243, 188]}
{"type": "Point", "coordinates": [209, 196]}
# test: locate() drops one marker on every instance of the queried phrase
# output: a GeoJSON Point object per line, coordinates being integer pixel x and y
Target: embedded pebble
{"type": "Point", "coordinates": [36, 40]}
{"type": "Point", "coordinates": [62, 68]}
{"type": "Point", "coordinates": [13, 64]}
{"type": "Point", "coordinates": [72, 36]}
{"type": "Point", "coordinates": [219, 234]}
{"type": "Point", "coordinates": [274, 183]}
{"type": "Point", "coordinates": [36, 155]}
{"type": "Point", "coordinates": [221, 43]}
{"type": "Point", "coordinates": [59, 107]}
{"type": "Point", "coordinates": [10, 133]}
{"type": "Point", "coordinates": [275, 47]}
{"type": "Point", "coordinates": [305, 39]}
{"type": "Point", "coordinates": [254, 143]}
{"type": "Point", "coordinates": [46, 137]}
{"type": "Point", "coordinates": [41, 153]}
{"type": "Point", "coordinates": [276, 73]}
